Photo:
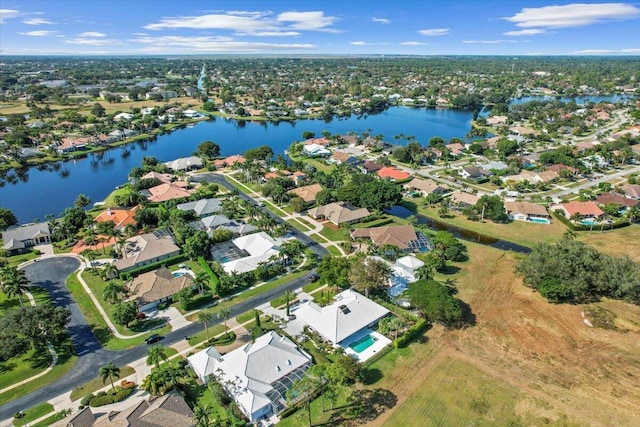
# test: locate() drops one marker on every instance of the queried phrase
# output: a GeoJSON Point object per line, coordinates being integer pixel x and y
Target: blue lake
{"type": "Point", "coordinates": [44, 192]}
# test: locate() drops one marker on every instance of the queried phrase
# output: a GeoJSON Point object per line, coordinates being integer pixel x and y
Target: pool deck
{"type": "Point", "coordinates": [380, 342]}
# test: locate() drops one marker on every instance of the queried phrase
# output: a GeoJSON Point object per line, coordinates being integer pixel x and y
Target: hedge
{"type": "Point", "coordinates": [598, 227]}
{"type": "Point", "coordinates": [106, 399]}
{"type": "Point", "coordinates": [412, 333]}
{"type": "Point", "coordinates": [153, 266]}
{"type": "Point", "coordinates": [213, 279]}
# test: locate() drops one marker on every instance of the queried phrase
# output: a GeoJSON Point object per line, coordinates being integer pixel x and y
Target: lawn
{"type": "Point", "coordinates": [66, 360]}
{"type": "Point", "coordinates": [619, 242]}
{"type": "Point", "coordinates": [16, 260]}
{"type": "Point", "coordinates": [96, 384]}
{"type": "Point", "coordinates": [23, 367]}
{"type": "Point", "coordinates": [246, 316]}
{"type": "Point", "coordinates": [524, 233]}
{"type": "Point", "coordinates": [457, 394]}
{"type": "Point", "coordinates": [297, 225]}
{"type": "Point", "coordinates": [33, 413]}
{"type": "Point", "coordinates": [97, 323]}
{"type": "Point", "coordinates": [334, 234]}
{"type": "Point", "coordinates": [334, 251]}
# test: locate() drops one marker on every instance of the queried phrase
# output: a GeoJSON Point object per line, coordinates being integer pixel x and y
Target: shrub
{"type": "Point", "coordinates": [107, 399]}
{"type": "Point", "coordinates": [411, 334]}
{"type": "Point", "coordinates": [85, 400]}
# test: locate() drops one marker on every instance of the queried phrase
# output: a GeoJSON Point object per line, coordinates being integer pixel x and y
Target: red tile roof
{"type": "Point", "coordinates": [392, 173]}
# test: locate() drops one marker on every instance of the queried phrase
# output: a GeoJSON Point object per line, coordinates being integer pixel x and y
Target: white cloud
{"type": "Point", "coordinates": [41, 33]}
{"type": "Point", "coordinates": [251, 23]}
{"type": "Point", "coordinates": [8, 14]}
{"type": "Point", "coordinates": [310, 21]}
{"type": "Point", "coordinates": [527, 32]}
{"type": "Point", "coordinates": [381, 20]}
{"type": "Point", "coordinates": [92, 34]}
{"type": "Point", "coordinates": [434, 32]}
{"type": "Point", "coordinates": [92, 41]}
{"type": "Point", "coordinates": [487, 41]}
{"type": "Point", "coordinates": [633, 51]}
{"type": "Point", "coordinates": [572, 15]}
{"type": "Point", "coordinates": [207, 44]}
{"type": "Point", "coordinates": [360, 43]}
{"type": "Point", "coordinates": [37, 21]}
{"type": "Point", "coordinates": [412, 43]}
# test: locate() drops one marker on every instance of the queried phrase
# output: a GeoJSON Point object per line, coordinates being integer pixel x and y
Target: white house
{"type": "Point", "coordinates": [315, 150]}
{"type": "Point", "coordinates": [257, 376]}
{"type": "Point", "coordinates": [260, 247]}
{"type": "Point", "coordinates": [345, 323]}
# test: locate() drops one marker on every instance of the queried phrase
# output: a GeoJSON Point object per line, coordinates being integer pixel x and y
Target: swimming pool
{"type": "Point", "coordinates": [362, 344]}
{"type": "Point", "coordinates": [589, 222]}
{"type": "Point", "coordinates": [539, 220]}
{"type": "Point", "coordinates": [178, 273]}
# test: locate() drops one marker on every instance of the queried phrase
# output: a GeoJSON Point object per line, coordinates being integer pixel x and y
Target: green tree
{"type": "Point", "coordinates": [7, 219]}
{"type": "Point", "coordinates": [435, 303]}
{"type": "Point", "coordinates": [297, 204]}
{"type": "Point", "coordinates": [14, 282]}
{"type": "Point", "coordinates": [289, 296]}
{"type": "Point", "coordinates": [125, 313]}
{"type": "Point", "coordinates": [109, 371]}
{"type": "Point", "coordinates": [224, 314]}
{"type": "Point", "coordinates": [112, 291]}
{"type": "Point", "coordinates": [208, 150]}
{"type": "Point", "coordinates": [155, 355]}
{"type": "Point", "coordinates": [97, 110]}
{"type": "Point", "coordinates": [81, 201]}
{"type": "Point", "coordinates": [204, 317]}
{"type": "Point", "coordinates": [369, 274]}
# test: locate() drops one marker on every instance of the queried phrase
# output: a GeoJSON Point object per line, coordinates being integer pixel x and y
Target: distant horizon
{"type": "Point", "coordinates": [350, 28]}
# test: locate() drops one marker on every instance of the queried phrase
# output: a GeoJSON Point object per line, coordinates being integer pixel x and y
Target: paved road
{"type": "Point", "coordinates": [51, 274]}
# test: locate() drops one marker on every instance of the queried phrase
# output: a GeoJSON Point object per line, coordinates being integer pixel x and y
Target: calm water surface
{"type": "Point", "coordinates": [37, 193]}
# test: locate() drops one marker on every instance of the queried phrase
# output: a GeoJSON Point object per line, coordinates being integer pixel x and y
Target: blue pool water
{"type": "Point", "coordinates": [362, 344]}
{"type": "Point", "coordinates": [539, 220]}
{"type": "Point", "coordinates": [588, 222]}
{"type": "Point", "coordinates": [177, 273]}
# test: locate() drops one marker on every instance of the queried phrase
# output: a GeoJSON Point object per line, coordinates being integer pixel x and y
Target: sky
{"type": "Point", "coordinates": [320, 27]}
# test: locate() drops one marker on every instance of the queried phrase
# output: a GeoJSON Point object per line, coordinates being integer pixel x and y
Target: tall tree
{"type": "Point", "coordinates": [369, 274]}
{"type": "Point", "coordinates": [14, 282]}
{"type": "Point", "coordinates": [204, 317]}
{"type": "Point", "coordinates": [109, 371]}
{"type": "Point", "coordinates": [155, 355]}
{"type": "Point", "coordinates": [224, 314]}
{"type": "Point", "coordinates": [112, 291]}
{"type": "Point", "coordinates": [7, 219]}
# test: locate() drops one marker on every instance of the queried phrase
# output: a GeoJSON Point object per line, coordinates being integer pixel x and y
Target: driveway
{"type": "Point", "coordinates": [51, 274]}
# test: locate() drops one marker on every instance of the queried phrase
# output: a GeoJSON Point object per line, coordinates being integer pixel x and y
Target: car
{"type": "Point", "coordinates": [313, 278]}
{"type": "Point", "coordinates": [153, 338]}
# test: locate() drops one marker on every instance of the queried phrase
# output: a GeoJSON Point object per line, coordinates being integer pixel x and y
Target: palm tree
{"type": "Point", "coordinates": [201, 281]}
{"type": "Point", "coordinates": [109, 271]}
{"type": "Point", "coordinates": [288, 296]}
{"type": "Point", "coordinates": [109, 371]}
{"type": "Point", "coordinates": [112, 292]}
{"type": "Point", "coordinates": [224, 314]}
{"type": "Point", "coordinates": [155, 355]}
{"type": "Point", "coordinates": [569, 234]}
{"type": "Point", "coordinates": [205, 317]}
{"type": "Point", "coordinates": [89, 256]}
{"type": "Point", "coordinates": [14, 282]}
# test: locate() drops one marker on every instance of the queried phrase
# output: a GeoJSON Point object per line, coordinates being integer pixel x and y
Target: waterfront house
{"type": "Point", "coordinates": [463, 199]}
{"type": "Point", "coordinates": [256, 375]}
{"type": "Point", "coordinates": [120, 217]}
{"type": "Point", "coordinates": [525, 211]}
{"type": "Point", "coordinates": [21, 239]}
{"type": "Point", "coordinates": [168, 191]}
{"type": "Point", "coordinates": [229, 161]}
{"type": "Point", "coordinates": [315, 150]}
{"type": "Point", "coordinates": [339, 213]}
{"type": "Point", "coordinates": [185, 164]}
{"type": "Point", "coordinates": [405, 237]}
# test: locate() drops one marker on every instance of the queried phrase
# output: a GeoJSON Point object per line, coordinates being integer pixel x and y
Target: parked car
{"type": "Point", "coordinates": [153, 338]}
{"type": "Point", "coordinates": [141, 316]}
{"type": "Point", "coordinates": [313, 278]}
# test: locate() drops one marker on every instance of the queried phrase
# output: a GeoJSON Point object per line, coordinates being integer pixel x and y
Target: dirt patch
{"type": "Point", "coordinates": [545, 351]}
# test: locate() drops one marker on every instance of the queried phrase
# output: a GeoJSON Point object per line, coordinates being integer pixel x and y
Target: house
{"type": "Point", "coordinates": [346, 322]}
{"type": "Point", "coordinates": [245, 253]}
{"type": "Point", "coordinates": [456, 148]}
{"type": "Point", "coordinates": [622, 202]}
{"type": "Point", "coordinates": [546, 176]}
{"type": "Point", "coordinates": [315, 150]}
{"type": "Point", "coordinates": [370, 167]}
{"type": "Point", "coordinates": [229, 161]}
{"type": "Point", "coordinates": [426, 187]}
{"type": "Point", "coordinates": [393, 174]}
{"type": "Point", "coordinates": [192, 114]}
{"type": "Point", "coordinates": [120, 217]}
{"type": "Point", "coordinates": [307, 193]}
{"type": "Point", "coordinates": [84, 418]}
{"type": "Point", "coordinates": [582, 209]}
{"type": "Point", "coordinates": [463, 199]}
{"type": "Point", "coordinates": [404, 237]}
{"type": "Point", "coordinates": [526, 211]}
{"type": "Point", "coordinates": [21, 239]}
{"type": "Point", "coordinates": [147, 248]}
{"type": "Point", "coordinates": [497, 120]}
{"type": "Point", "coordinates": [168, 191]}
{"type": "Point", "coordinates": [150, 289]}
{"type": "Point", "coordinates": [162, 177]}
{"type": "Point", "coordinates": [340, 157]}
{"type": "Point", "coordinates": [170, 410]}
{"type": "Point", "coordinates": [202, 207]}
{"type": "Point", "coordinates": [560, 167]}
{"type": "Point", "coordinates": [495, 165]}
{"type": "Point", "coordinates": [185, 164]}
{"type": "Point", "coordinates": [212, 223]}
{"type": "Point", "coordinates": [257, 375]}
{"type": "Point", "coordinates": [123, 116]}
{"type": "Point", "coordinates": [339, 213]}
{"type": "Point", "coordinates": [631, 190]}
{"type": "Point", "coordinates": [474, 173]}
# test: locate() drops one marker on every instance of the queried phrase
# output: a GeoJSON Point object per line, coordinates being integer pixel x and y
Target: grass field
{"type": "Point", "coordinates": [620, 242]}
{"type": "Point", "coordinates": [33, 413]}
{"type": "Point", "coordinates": [524, 233]}
{"type": "Point", "coordinates": [334, 234]}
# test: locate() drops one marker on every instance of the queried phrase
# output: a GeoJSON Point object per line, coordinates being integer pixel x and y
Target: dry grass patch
{"type": "Point", "coordinates": [620, 242]}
